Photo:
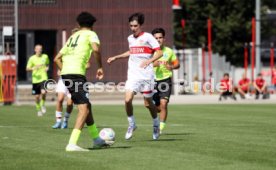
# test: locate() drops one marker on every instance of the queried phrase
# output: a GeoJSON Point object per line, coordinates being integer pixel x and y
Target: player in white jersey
{"type": "Point", "coordinates": [62, 91]}
{"type": "Point", "coordinates": [143, 51]}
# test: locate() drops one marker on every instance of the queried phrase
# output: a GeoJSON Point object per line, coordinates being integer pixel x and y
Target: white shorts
{"type": "Point", "coordinates": [61, 88]}
{"type": "Point", "coordinates": [146, 87]}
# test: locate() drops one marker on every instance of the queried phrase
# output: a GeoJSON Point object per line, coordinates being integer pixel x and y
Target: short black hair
{"type": "Point", "coordinates": [85, 19]}
{"type": "Point", "coordinates": [260, 74]}
{"type": "Point", "coordinates": [139, 17]}
{"type": "Point", "coordinates": [158, 30]}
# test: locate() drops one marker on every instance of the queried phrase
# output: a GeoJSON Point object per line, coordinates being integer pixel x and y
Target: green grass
{"type": "Point", "coordinates": [196, 137]}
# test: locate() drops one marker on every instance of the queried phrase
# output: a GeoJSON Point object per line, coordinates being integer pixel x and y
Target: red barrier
{"type": "Point", "coordinates": [245, 58]}
{"type": "Point", "coordinates": [272, 63]}
{"type": "Point", "coordinates": [209, 25]}
{"type": "Point", "coordinates": [253, 48]}
{"type": "Point", "coordinates": [9, 80]}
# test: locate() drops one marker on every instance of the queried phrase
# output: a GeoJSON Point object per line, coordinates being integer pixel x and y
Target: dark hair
{"type": "Point", "coordinates": [85, 19]}
{"type": "Point", "coordinates": [158, 30]}
{"type": "Point", "coordinates": [259, 74]}
{"type": "Point", "coordinates": [139, 17]}
{"type": "Point", "coordinates": [226, 74]}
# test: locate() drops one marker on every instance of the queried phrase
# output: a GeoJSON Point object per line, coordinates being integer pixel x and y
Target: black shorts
{"type": "Point", "coordinates": [37, 87]}
{"type": "Point", "coordinates": [164, 90]}
{"type": "Point", "coordinates": [78, 87]}
{"type": "Point", "coordinates": [227, 93]}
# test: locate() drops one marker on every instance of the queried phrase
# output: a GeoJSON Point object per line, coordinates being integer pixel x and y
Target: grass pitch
{"type": "Point", "coordinates": [196, 137]}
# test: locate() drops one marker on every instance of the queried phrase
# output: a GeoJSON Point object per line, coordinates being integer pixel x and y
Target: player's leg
{"type": "Point", "coordinates": [156, 98]}
{"type": "Point", "coordinates": [153, 111]}
{"type": "Point", "coordinates": [75, 135]}
{"type": "Point", "coordinates": [36, 92]}
{"type": "Point", "coordinates": [69, 109]}
{"type": "Point", "coordinates": [147, 88]}
{"type": "Point", "coordinates": [80, 98]}
{"type": "Point", "coordinates": [93, 131]}
{"type": "Point", "coordinates": [37, 105]}
{"type": "Point", "coordinates": [165, 88]}
{"type": "Point", "coordinates": [129, 95]}
{"type": "Point", "coordinates": [60, 98]}
{"type": "Point", "coordinates": [242, 93]}
{"type": "Point", "coordinates": [43, 97]}
{"type": "Point", "coordinates": [163, 113]}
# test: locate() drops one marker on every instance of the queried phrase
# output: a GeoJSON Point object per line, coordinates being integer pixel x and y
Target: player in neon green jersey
{"type": "Point", "coordinates": [38, 65]}
{"type": "Point", "coordinates": [163, 73]}
{"type": "Point", "coordinates": [72, 60]}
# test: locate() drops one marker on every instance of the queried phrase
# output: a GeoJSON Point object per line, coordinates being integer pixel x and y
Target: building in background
{"type": "Point", "coordinates": [49, 22]}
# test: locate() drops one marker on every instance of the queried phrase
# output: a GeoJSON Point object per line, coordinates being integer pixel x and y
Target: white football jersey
{"type": "Point", "coordinates": [141, 48]}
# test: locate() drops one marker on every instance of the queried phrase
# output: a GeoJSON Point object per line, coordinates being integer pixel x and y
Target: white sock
{"type": "Point", "coordinates": [156, 121]}
{"type": "Point", "coordinates": [131, 120]}
{"type": "Point", "coordinates": [66, 117]}
{"type": "Point", "coordinates": [58, 116]}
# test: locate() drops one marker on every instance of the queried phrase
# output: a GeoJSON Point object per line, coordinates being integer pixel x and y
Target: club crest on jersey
{"type": "Point", "coordinates": [165, 55]}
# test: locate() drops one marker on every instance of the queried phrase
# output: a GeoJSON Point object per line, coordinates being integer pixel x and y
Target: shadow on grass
{"type": "Point", "coordinates": [112, 147]}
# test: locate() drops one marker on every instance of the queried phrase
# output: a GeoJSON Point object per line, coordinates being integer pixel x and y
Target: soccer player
{"type": "Point", "coordinates": [38, 64]}
{"type": "Point", "coordinates": [163, 76]}
{"type": "Point", "coordinates": [226, 88]}
{"type": "Point", "coordinates": [62, 91]}
{"type": "Point", "coordinates": [260, 86]}
{"type": "Point", "coordinates": [243, 86]}
{"type": "Point", "coordinates": [143, 51]}
{"type": "Point", "coordinates": [72, 60]}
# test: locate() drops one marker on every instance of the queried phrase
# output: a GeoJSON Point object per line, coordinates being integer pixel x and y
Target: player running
{"type": "Point", "coordinates": [72, 60]}
{"type": "Point", "coordinates": [38, 65]}
{"type": "Point", "coordinates": [163, 76]}
{"type": "Point", "coordinates": [143, 51]}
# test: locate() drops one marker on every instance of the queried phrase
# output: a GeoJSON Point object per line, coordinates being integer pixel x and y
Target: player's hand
{"type": "Point", "coordinates": [36, 67]}
{"type": "Point", "coordinates": [169, 67]}
{"type": "Point", "coordinates": [144, 64]}
{"type": "Point", "coordinates": [156, 63]}
{"type": "Point", "coordinates": [110, 60]}
{"type": "Point", "coordinates": [99, 74]}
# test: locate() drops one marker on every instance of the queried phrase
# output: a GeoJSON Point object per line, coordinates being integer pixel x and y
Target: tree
{"type": "Point", "coordinates": [231, 26]}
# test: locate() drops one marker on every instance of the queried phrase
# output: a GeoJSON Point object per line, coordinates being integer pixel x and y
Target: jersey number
{"type": "Point", "coordinates": [71, 44]}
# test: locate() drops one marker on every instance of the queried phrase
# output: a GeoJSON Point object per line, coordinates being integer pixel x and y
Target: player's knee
{"type": "Point", "coordinates": [128, 101]}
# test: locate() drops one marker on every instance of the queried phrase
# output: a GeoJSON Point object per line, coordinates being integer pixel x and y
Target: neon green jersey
{"type": "Point", "coordinates": [161, 72]}
{"type": "Point", "coordinates": [41, 62]}
{"type": "Point", "coordinates": [77, 51]}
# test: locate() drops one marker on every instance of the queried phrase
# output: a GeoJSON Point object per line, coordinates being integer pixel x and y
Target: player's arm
{"type": "Point", "coordinates": [47, 63]}
{"type": "Point", "coordinates": [31, 66]}
{"type": "Point", "coordinates": [88, 65]}
{"type": "Point", "coordinates": [157, 54]}
{"type": "Point", "coordinates": [123, 55]}
{"type": "Point", "coordinates": [58, 60]}
{"type": "Point", "coordinates": [256, 87]}
{"type": "Point", "coordinates": [264, 86]}
{"type": "Point", "coordinates": [173, 65]}
{"type": "Point", "coordinates": [98, 58]}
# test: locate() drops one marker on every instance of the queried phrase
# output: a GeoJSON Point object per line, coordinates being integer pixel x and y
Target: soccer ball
{"type": "Point", "coordinates": [107, 134]}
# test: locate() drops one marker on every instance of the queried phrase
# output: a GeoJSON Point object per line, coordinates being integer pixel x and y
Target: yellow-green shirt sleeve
{"type": "Point", "coordinates": [30, 63]}
{"type": "Point", "coordinates": [93, 38]}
